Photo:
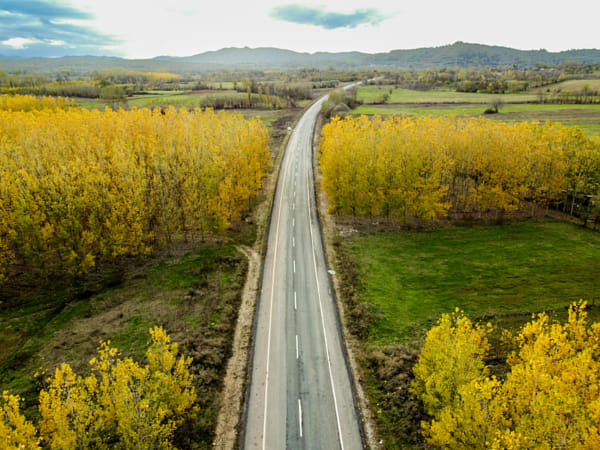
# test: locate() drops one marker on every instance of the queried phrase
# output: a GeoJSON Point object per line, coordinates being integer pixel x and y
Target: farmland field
{"type": "Point", "coordinates": [516, 107]}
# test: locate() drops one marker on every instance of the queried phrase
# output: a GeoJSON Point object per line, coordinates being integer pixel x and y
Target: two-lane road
{"type": "Point", "coordinates": [300, 394]}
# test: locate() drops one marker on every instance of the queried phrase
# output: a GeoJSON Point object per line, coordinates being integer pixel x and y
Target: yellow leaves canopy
{"type": "Point", "coordinates": [550, 398]}
{"type": "Point", "coordinates": [121, 404]}
{"type": "Point", "coordinates": [78, 187]}
{"type": "Point", "coordinates": [403, 167]}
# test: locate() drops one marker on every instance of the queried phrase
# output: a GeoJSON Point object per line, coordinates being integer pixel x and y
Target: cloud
{"type": "Point", "coordinates": [47, 28]}
{"type": "Point", "coordinates": [43, 9]}
{"type": "Point", "coordinates": [19, 43]}
{"type": "Point", "coordinates": [328, 20]}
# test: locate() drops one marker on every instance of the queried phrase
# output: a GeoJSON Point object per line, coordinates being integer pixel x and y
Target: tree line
{"type": "Point", "coordinates": [81, 187]}
{"type": "Point", "coordinates": [406, 168]}
{"type": "Point", "coordinates": [489, 79]}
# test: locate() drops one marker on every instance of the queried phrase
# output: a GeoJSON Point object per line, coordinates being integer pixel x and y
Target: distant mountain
{"type": "Point", "coordinates": [268, 56]}
{"type": "Point", "coordinates": [459, 54]}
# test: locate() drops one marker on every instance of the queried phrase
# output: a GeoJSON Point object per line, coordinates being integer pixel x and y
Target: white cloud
{"type": "Point", "coordinates": [56, 42]}
{"type": "Point", "coordinates": [20, 43]}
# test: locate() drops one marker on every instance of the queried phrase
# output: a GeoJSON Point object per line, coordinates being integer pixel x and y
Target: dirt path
{"type": "Point", "coordinates": [231, 401]}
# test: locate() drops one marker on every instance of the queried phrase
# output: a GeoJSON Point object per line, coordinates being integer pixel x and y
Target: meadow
{"type": "Point", "coordinates": [512, 107]}
{"type": "Point", "coordinates": [491, 271]}
{"type": "Point", "coordinates": [397, 285]}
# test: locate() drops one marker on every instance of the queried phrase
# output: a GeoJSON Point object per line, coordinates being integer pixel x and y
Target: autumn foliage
{"type": "Point", "coordinates": [404, 168]}
{"type": "Point", "coordinates": [32, 103]}
{"type": "Point", "coordinates": [549, 399]}
{"type": "Point", "coordinates": [80, 187]}
{"type": "Point", "coordinates": [121, 404]}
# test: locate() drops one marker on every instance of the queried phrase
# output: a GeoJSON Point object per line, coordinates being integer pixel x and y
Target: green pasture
{"type": "Point", "coordinates": [497, 272]}
{"type": "Point", "coordinates": [569, 86]}
{"type": "Point", "coordinates": [373, 94]}
{"type": "Point", "coordinates": [222, 84]}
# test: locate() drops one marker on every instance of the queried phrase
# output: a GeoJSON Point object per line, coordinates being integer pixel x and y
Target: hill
{"type": "Point", "coordinates": [463, 54]}
{"type": "Point", "coordinates": [459, 54]}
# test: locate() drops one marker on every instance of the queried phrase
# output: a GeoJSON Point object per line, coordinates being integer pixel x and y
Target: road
{"type": "Point", "coordinates": [300, 396]}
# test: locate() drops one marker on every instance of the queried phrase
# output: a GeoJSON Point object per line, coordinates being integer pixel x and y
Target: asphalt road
{"type": "Point", "coordinates": [300, 391]}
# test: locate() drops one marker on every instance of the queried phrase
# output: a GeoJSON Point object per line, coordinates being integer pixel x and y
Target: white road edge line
{"type": "Point", "coordinates": [264, 446]}
{"type": "Point", "coordinates": [294, 266]}
{"type": "Point", "coordinates": [300, 416]}
{"type": "Point", "coordinates": [337, 414]}
{"type": "Point", "coordinates": [297, 347]}
{"type": "Point", "coordinates": [293, 241]}
{"type": "Point", "coordinates": [295, 306]}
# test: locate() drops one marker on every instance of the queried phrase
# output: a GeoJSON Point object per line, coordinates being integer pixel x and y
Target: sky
{"type": "Point", "coordinates": [149, 28]}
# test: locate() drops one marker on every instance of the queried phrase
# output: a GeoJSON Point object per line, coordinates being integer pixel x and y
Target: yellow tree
{"type": "Point", "coordinates": [16, 432]}
{"type": "Point", "coordinates": [550, 398]}
{"type": "Point", "coordinates": [81, 187]}
{"type": "Point", "coordinates": [120, 404]}
{"type": "Point", "coordinates": [452, 357]}
{"type": "Point", "coordinates": [552, 392]}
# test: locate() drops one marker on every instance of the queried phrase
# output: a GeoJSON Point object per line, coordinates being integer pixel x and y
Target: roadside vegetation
{"type": "Point", "coordinates": [398, 283]}
{"type": "Point", "coordinates": [91, 252]}
{"type": "Point", "coordinates": [408, 255]}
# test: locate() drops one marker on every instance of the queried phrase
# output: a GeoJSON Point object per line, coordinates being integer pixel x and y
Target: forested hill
{"type": "Point", "coordinates": [458, 54]}
{"type": "Point", "coordinates": [468, 55]}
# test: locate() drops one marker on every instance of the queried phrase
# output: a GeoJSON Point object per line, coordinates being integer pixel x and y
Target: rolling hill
{"type": "Point", "coordinates": [459, 54]}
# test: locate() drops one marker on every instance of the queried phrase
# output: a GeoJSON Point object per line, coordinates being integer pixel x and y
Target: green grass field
{"type": "Point", "coordinates": [513, 107]}
{"type": "Point", "coordinates": [180, 100]}
{"type": "Point", "coordinates": [373, 94]}
{"type": "Point", "coordinates": [495, 271]}
{"type": "Point", "coordinates": [569, 86]}
{"type": "Point", "coordinates": [498, 274]}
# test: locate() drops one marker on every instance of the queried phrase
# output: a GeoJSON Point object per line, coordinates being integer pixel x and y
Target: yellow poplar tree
{"type": "Point", "coordinates": [16, 432]}
{"type": "Point", "coordinates": [120, 404]}
{"type": "Point", "coordinates": [79, 187]}
{"type": "Point", "coordinates": [451, 358]}
{"type": "Point", "coordinates": [550, 398]}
